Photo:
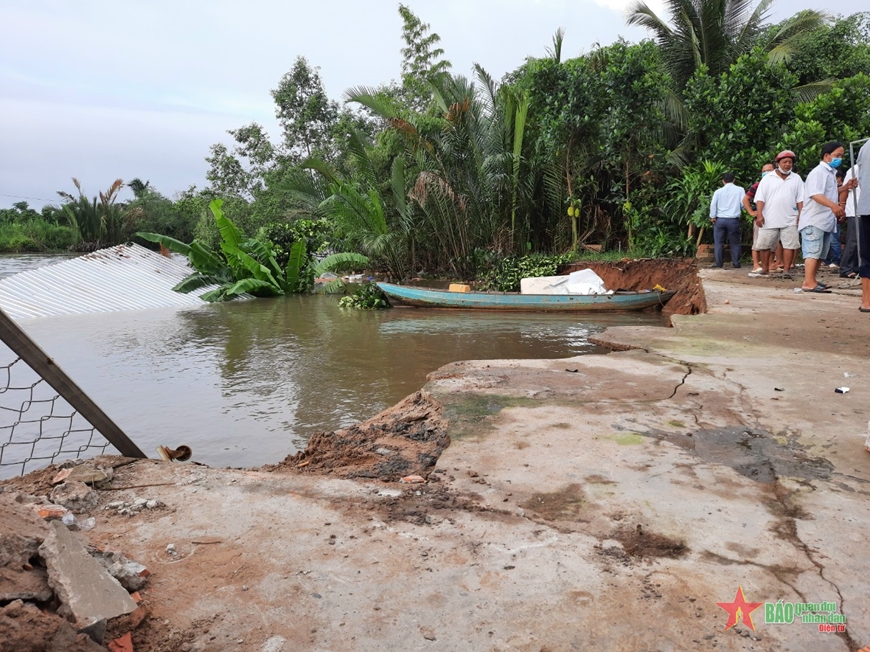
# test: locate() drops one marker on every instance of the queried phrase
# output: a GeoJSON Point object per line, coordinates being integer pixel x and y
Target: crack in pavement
{"type": "Point", "coordinates": [790, 530]}
{"type": "Point", "coordinates": [683, 381]}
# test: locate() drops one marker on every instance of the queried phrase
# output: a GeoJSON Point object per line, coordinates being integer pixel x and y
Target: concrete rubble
{"type": "Point", "coordinates": [87, 593]}
{"type": "Point", "coordinates": [46, 567]}
{"type": "Point", "coordinates": [75, 496]}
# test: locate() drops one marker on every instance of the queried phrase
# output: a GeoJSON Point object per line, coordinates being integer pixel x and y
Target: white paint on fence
{"type": "Point", "coordinates": [125, 277]}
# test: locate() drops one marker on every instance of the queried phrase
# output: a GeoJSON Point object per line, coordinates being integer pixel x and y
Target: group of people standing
{"type": "Point", "coordinates": [792, 214]}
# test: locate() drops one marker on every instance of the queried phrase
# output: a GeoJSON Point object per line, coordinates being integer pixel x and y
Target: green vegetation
{"type": "Point", "coordinates": [506, 274]}
{"type": "Point", "coordinates": [366, 297]}
{"type": "Point", "coordinates": [247, 265]}
{"type": "Point", "coordinates": [490, 180]}
{"type": "Point", "coordinates": [22, 229]}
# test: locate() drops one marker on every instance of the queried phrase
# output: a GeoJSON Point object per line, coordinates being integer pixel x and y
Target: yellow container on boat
{"type": "Point", "coordinates": [459, 287]}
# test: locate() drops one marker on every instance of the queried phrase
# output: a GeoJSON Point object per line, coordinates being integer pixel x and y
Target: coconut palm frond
{"type": "Point", "coordinates": [373, 100]}
{"type": "Point", "coordinates": [558, 39]}
{"type": "Point", "coordinates": [809, 92]}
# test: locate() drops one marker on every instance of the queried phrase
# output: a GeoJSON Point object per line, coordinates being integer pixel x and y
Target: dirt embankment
{"type": "Point", "coordinates": [404, 440]}
{"type": "Point", "coordinates": [679, 274]}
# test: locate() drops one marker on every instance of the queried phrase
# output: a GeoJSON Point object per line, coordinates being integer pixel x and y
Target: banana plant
{"type": "Point", "coordinates": [244, 265]}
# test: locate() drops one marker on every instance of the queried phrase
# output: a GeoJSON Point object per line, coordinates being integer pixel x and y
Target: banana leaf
{"type": "Point", "coordinates": [333, 287]}
{"type": "Point", "coordinates": [204, 259]}
{"type": "Point", "coordinates": [170, 243]}
{"type": "Point", "coordinates": [230, 233]}
{"type": "Point", "coordinates": [245, 286]}
{"type": "Point", "coordinates": [198, 280]}
{"type": "Point", "coordinates": [335, 260]}
{"type": "Point", "coordinates": [263, 253]}
{"type": "Point", "coordinates": [254, 267]}
{"type": "Point", "coordinates": [295, 265]}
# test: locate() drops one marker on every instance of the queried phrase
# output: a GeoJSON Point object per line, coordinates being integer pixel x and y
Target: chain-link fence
{"type": "Point", "coordinates": [44, 416]}
{"type": "Point", "coordinates": [37, 426]}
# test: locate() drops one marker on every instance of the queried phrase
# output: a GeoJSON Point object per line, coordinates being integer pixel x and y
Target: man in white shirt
{"type": "Point", "coordinates": [820, 214]}
{"type": "Point", "coordinates": [779, 200]}
{"type": "Point", "coordinates": [725, 212]}
{"type": "Point", "coordinates": [862, 222]}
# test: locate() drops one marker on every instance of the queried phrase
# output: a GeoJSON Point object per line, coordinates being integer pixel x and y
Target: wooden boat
{"type": "Point", "coordinates": [514, 301]}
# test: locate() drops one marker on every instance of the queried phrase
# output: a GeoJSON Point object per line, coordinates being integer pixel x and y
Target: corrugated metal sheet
{"type": "Point", "coordinates": [125, 277]}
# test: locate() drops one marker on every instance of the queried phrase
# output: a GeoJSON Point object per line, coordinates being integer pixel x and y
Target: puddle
{"type": "Point", "coordinates": [757, 454]}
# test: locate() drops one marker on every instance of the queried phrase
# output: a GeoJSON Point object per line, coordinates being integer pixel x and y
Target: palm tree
{"type": "Point", "coordinates": [139, 187]}
{"type": "Point", "coordinates": [475, 172]}
{"type": "Point", "coordinates": [714, 33]}
{"type": "Point", "coordinates": [98, 221]}
{"type": "Point", "coordinates": [367, 216]}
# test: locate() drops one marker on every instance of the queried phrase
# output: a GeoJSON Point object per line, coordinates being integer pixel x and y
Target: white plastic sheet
{"type": "Point", "coordinates": [584, 282]}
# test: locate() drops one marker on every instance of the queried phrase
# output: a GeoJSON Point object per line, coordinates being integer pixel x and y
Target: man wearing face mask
{"type": "Point", "coordinates": [779, 200]}
{"type": "Point", "coordinates": [820, 215]}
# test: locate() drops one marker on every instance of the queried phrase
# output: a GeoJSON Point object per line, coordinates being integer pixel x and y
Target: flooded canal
{"type": "Point", "coordinates": [246, 383]}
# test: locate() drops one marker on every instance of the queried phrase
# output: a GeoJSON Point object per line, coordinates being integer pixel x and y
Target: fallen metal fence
{"type": "Point", "coordinates": [44, 416]}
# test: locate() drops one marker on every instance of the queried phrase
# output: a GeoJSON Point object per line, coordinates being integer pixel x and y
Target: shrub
{"type": "Point", "coordinates": [367, 297]}
{"type": "Point", "coordinates": [507, 273]}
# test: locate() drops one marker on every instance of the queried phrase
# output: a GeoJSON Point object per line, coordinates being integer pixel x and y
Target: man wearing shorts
{"type": "Point", "coordinates": [749, 205]}
{"type": "Point", "coordinates": [779, 200]}
{"type": "Point", "coordinates": [818, 219]}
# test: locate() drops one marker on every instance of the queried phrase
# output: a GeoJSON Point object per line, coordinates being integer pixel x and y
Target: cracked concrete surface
{"type": "Point", "coordinates": [600, 503]}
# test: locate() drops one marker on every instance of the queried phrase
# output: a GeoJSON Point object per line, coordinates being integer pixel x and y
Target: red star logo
{"type": "Point", "coordinates": [738, 609]}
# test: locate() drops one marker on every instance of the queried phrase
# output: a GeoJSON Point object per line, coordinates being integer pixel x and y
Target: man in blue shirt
{"type": "Point", "coordinates": [725, 211]}
{"type": "Point", "coordinates": [820, 214]}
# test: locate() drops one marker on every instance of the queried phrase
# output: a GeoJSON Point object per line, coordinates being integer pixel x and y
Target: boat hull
{"type": "Point", "coordinates": [431, 298]}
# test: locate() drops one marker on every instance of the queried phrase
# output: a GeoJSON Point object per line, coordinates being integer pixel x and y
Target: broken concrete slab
{"type": "Point", "coordinates": [24, 628]}
{"type": "Point", "coordinates": [76, 496]}
{"type": "Point", "coordinates": [85, 589]}
{"type": "Point", "coordinates": [89, 474]}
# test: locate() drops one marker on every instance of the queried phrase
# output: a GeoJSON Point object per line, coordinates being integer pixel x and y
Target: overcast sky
{"type": "Point", "coordinates": [141, 88]}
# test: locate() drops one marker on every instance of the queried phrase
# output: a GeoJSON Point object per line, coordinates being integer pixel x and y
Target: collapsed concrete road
{"type": "Point", "coordinates": [618, 502]}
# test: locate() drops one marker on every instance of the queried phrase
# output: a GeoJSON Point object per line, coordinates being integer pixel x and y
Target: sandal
{"type": "Point", "coordinates": [863, 309]}
{"type": "Point", "coordinates": [819, 289]}
{"type": "Point", "coordinates": [850, 275]}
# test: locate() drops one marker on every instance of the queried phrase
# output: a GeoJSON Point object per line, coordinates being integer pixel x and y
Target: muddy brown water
{"type": "Point", "coordinates": [247, 383]}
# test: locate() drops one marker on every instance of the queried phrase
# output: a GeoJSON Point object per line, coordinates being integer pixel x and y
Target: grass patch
{"type": "Point", "coordinates": [628, 439]}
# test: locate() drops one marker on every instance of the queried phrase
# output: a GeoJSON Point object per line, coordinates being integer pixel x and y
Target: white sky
{"type": "Point", "coordinates": [141, 88]}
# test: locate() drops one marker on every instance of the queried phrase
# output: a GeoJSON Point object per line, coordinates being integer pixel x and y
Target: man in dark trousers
{"type": "Point", "coordinates": [862, 222]}
{"type": "Point", "coordinates": [725, 211]}
{"type": "Point", "coordinates": [849, 196]}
